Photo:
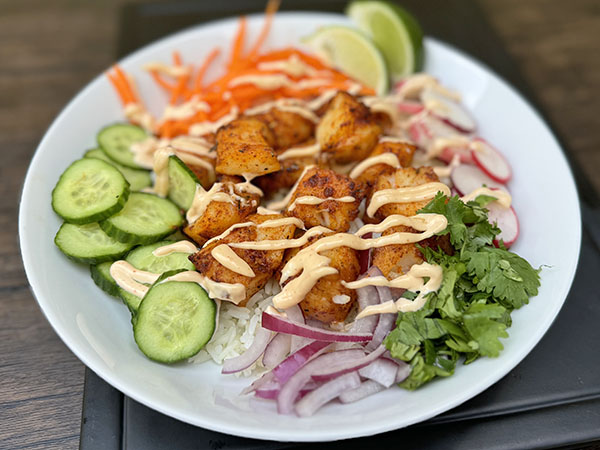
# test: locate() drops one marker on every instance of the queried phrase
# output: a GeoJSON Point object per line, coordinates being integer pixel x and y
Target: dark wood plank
{"type": "Point", "coordinates": [50, 50]}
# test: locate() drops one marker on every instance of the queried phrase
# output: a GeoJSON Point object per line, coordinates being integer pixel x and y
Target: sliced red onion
{"type": "Point", "coordinates": [312, 401]}
{"type": "Point", "coordinates": [366, 388]}
{"type": "Point", "coordinates": [273, 392]}
{"type": "Point", "coordinates": [290, 390]}
{"type": "Point", "coordinates": [283, 325]}
{"type": "Point", "coordinates": [246, 359]}
{"type": "Point", "coordinates": [292, 363]}
{"type": "Point", "coordinates": [266, 380]}
{"type": "Point", "coordinates": [386, 321]}
{"type": "Point", "coordinates": [277, 350]}
{"type": "Point", "coordinates": [347, 364]}
{"type": "Point", "coordinates": [403, 371]}
{"type": "Point", "coordinates": [382, 370]}
{"type": "Point", "coordinates": [294, 313]}
{"type": "Point", "coordinates": [366, 296]}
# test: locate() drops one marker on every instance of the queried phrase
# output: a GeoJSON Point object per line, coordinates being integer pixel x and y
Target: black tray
{"type": "Point", "coordinates": [551, 399]}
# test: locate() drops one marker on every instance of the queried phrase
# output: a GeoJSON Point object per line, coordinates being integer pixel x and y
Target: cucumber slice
{"type": "Point", "coordinates": [175, 321]}
{"type": "Point", "coordinates": [101, 275]}
{"type": "Point", "coordinates": [182, 183]}
{"type": "Point", "coordinates": [88, 243]}
{"type": "Point", "coordinates": [142, 258]}
{"type": "Point", "coordinates": [146, 218]}
{"type": "Point", "coordinates": [115, 140]}
{"type": "Point", "coordinates": [138, 179]}
{"type": "Point", "coordinates": [88, 191]}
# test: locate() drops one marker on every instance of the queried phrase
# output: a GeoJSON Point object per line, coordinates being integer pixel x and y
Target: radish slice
{"type": "Point", "coordinates": [350, 363]}
{"type": "Point", "coordinates": [381, 370]}
{"type": "Point", "coordinates": [277, 350]}
{"type": "Point", "coordinates": [491, 161]}
{"type": "Point", "coordinates": [312, 401]}
{"type": "Point", "coordinates": [246, 359]}
{"type": "Point", "coordinates": [366, 388]}
{"type": "Point", "coordinates": [424, 129]}
{"type": "Point", "coordinates": [467, 178]}
{"type": "Point", "coordinates": [464, 154]}
{"type": "Point", "coordinates": [448, 110]}
{"type": "Point", "coordinates": [410, 107]}
{"type": "Point", "coordinates": [292, 363]}
{"type": "Point", "coordinates": [283, 325]}
{"type": "Point", "coordinates": [507, 221]}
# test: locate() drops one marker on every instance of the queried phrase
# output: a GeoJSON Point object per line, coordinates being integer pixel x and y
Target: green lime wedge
{"type": "Point", "coordinates": [352, 52]}
{"type": "Point", "coordinates": [395, 32]}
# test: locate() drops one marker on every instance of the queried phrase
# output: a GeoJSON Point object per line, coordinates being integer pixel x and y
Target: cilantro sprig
{"type": "Point", "coordinates": [470, 313]}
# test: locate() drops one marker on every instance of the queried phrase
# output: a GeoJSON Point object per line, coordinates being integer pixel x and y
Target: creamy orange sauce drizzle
{"type": "Point", "coordinates": [413, 280]}
{"type": "Point", "coordinates": [502, 197]}
{"type": "Point", "coordinates": [130, 279]}
{"type": "Point", "coordinates": [160, 67]}
{"type": "Point", "coordinates": [300, 152]}
{"type": "Point", "coordinates": [161, 170]}
{"type": "Point", "coordinates": [293, 66]}
{"type": "Point", "coordinates": [203, 198]}
{"type": "Point", "coordinates": [273, 223]}
{"type": "Point", "coordinates": [405, 195]}
{"type": "Point", "coordinates": [445, 172]}
{"type": "Point", "coordinates": [234, 293]}
{"type": "Point", "coordinates": [185, 110]}
{"type": "Point", "coordinates": [415, 84]}
{"type": "Point", "coordinates": [136, 113]}
{"type": "Point", "coordinates": [312, 200]}
{"type": "Point", "coordinates": [394, 139]}
{"type": "Point", "coordinates": [182, 246]}
{"type": "Point", "coordinates": [389, 159]}
{"type": "Point", "coordinates": [267, 82]}
{"type": "Point", "coordinates": [308, 265]}
{"type": "Point", "coordinates": [229, 259]}
{"type": "Point", "coordinates": [202, 128]}
{"type": "Point", "coordinates": [281, 204]}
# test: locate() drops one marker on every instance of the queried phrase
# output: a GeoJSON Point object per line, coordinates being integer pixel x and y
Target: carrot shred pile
{"type": "Point", "coordinates": [238, 87]}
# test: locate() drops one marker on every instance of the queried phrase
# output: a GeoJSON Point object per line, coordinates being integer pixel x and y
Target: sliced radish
{"type": "Point", "coordinates": [463, 153]}
{"type": "Point", "coordinates": [491, 161]}
{"type": "Point", "coordinates": [508, 222]}
{"type": "Point", "coordinates": [425, 128]}
{"type": "Point", "coordinates": [466, 179]}
{"type": "Point", "coordinates": [448, 110]}
{"type": "Point", "coordinates": [410, 107]}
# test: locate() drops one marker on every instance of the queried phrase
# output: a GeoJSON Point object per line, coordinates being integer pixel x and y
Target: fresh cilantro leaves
{"type": "Point", "coordinates": [468, 316]}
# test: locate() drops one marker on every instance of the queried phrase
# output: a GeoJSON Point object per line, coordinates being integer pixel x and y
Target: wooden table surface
{"type": "Point", "coordinates": [50, 49]}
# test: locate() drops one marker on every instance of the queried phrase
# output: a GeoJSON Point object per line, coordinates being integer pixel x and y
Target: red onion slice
{"type": "Point", "coordinates": [386, 321]}
{"type": "Point", "coordinates": [272, 392]}
{"type": "Point", "coordinates": [292, 363]}
{"type": "Point", "coordinates": [294, 313]}
{"type": "Point", "coordinates": [283, 325]}
{"type": "Point", "coordinates": [346, 364]}
{"type": "Point", "coordinates": [366, 296]}
{"type": "Point", "coordinates": [382, 370]}
{"type": "Point", "coordinates": [246, 359]}
{"type": "Point", "coordinates": [366, 388]}
{"type": "Point", "coordinates": [290, 390]}
{"type": "Point", "coordinates": [277, 350]}
{"type": "Point", "coordinates": [312, 401]}
{"type": "Point", "coordinates": [403, 371]}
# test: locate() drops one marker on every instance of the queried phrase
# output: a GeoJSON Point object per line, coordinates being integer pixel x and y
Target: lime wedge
{"type": "Point", "coordinates": [395, 32]}
{"type": "Point", "coordinates": [352, 52]}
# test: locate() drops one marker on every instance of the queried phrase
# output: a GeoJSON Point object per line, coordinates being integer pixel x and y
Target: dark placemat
{"type": "Point", "coordinates": [551, 399]}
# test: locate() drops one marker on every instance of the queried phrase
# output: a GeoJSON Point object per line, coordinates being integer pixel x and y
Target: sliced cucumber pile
{"type": "Point", "coordinates": [115, 140]}
{"type": "Point", "coordinates": [174, 321]}
{"type": "Point", "coordinates": [146, 218]}
{"type": "Point", "coordinates": [138, 179]}
{"type": "Point", "coordinates": [182, 183]}
{"type": "Point", "coordinates": [88, 191]}
{"type": "Point", "coordinates": [88, 243]}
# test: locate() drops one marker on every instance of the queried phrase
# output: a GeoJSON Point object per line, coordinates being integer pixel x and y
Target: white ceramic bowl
{"type": "Point", "coordinates": [97, 328]}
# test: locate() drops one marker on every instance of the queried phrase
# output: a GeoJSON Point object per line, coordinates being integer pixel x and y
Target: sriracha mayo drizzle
{"type": "Point", "coordinates": [389, 159]}
{"type": "Point", "coordinates": [312, 200]}
{"type": "Point", "coordinates": [229, 259]}
{"type": "Point", "coordinates": [176, 247]}
{"type": "Point", "coordinates": [130, 279]}
{"type": "Point", "coordinates": [405, 195]}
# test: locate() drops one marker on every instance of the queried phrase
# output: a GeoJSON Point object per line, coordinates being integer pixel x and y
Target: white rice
{"type": "Point", "coordinates": [237, 328]}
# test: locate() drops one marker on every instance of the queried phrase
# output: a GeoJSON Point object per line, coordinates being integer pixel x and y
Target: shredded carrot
{"type": "Point", "coordinates": [272, 7]}
{"type": "Point", "coordinates": [204, 67]}
{"type": "Point", "coordinates": [220, 95]}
